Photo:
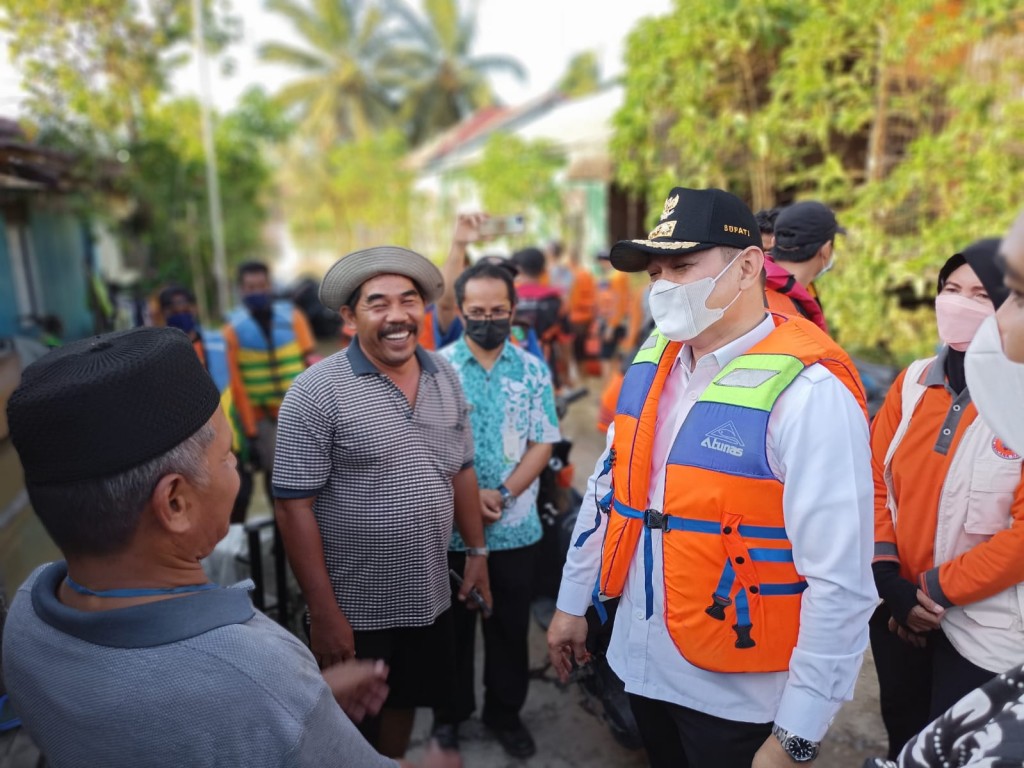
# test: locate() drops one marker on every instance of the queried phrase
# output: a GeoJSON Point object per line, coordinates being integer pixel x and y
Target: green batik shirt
{"type": "Point", "coordinates": [512, 404]}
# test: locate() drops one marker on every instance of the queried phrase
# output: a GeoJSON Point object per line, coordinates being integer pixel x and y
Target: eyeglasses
{"type": "Point", "coordinates": [498, 314]}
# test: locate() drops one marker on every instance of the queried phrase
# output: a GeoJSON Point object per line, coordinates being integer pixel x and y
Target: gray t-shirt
{"type": "Point", "coordinates": [199, 680]}
{"type": "Point", "coordinates": [381, 472]}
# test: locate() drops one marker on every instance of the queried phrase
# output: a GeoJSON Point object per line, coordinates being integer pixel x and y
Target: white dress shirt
{"type": "Point", "coordinates": [818, 447]}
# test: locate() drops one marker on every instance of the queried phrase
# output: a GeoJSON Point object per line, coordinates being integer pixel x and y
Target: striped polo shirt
{"type": "Point", "coordinates": [381, 472]}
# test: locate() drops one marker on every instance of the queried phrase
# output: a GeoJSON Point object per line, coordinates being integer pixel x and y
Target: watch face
{"type": "Point", "coordinates": [801, 750]}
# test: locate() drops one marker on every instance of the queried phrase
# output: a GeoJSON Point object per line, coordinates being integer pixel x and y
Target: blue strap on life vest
{"type": "Point", "coordinates": [603, 505]}
{"type": "Point", "coordinates": [595, 598]}
{"type": "Point", "coordinates": [638, 514]}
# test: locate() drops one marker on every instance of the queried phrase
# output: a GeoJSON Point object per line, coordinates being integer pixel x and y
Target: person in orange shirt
{"type": "Point", "coordinates": [614, 302]}
{"type": "Point", "coordinates": [949, 521]}
{"type": "Point", "coordinates": [582, 308]}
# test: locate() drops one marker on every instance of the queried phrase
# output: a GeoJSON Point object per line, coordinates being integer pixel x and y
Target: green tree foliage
{"type": "Point", "coordinates": [92, 69]}
{"type": "Point", "coordinates": [340, 93]}
{"type": "Point", "coordinates": [582, 76]}
{"type": "Point", "coordinates": [435, 75]}
{"type": "Point", "coordinates": [170, 224]}
{"type": "Point", "coordinates": [355, 195]}
{"type": "Point", "coordinates": [903, 116]}
{"type": "Point", "coordinates": [518, 176]}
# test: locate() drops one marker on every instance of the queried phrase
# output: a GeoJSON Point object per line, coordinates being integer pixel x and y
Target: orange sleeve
{"type": "Point", "coordinates": [238, 393]}
{"type": "Point", "coordinates": [883, 429]}
{"type": "Point", "coordinates": [620, 299]}
{"type": "Point", "coordinates": [303, 333]}
{"type": "Point", "coordinates": [986, 569]}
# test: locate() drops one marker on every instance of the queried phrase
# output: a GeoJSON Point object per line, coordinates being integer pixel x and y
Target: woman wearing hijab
{"type": "Point", "coordinates": [949, 520]}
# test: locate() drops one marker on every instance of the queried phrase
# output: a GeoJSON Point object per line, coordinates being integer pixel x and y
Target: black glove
{"type": "Point", "coordinates": [900, 595]}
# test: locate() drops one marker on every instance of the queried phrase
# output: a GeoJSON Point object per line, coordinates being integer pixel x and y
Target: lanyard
{"type": "Point", "coordinates": [138, 592]}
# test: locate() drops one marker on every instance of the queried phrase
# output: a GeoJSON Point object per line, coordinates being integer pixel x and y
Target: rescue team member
{"type": "Point", "coordinates": [268, 344]}
{"type": "Point", "coordinates": [374, 465]}
{"type": "Point", "coordinates": [738, 532]}
{"type": "Point", "coordinates": [614, 298]}
{"type": "Point", "coordinates": [985, 728]}
{"type": "Point", "coordinates": [949, 520]}
{"type": "Point", "coordinates": [512, 411]}
{"type": "Point", "coordinates": [581, 305]}
{"type": "Point", "coordinates": [804, 250]}
{"type": "Point", "coordinates": [135, 490]}
{"type": "Point", "coordinates": [178, 307]}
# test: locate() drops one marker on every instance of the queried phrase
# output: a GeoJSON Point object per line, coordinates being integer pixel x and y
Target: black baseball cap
{"type": "Point", "coordinates": [692, 220]}
{"type": "Point", "coordinates": [802, 228]}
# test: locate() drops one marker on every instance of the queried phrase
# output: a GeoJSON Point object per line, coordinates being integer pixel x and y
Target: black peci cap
{"type": "Point", "coordinates": [103, 405]}
{"type": "Point", "coordinates": [692, 220]}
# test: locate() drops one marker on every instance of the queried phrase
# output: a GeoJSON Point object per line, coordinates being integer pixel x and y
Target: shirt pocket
{"type": "Point", "coordinates": [994, 482]}
{"type": "Point", "coordinates": [446, 444]}
{"type": "Point", "coordinates": [1001, 610]}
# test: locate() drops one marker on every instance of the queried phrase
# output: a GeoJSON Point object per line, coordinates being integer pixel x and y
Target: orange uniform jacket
{"type": "Point", "coordinates": [919, 473]}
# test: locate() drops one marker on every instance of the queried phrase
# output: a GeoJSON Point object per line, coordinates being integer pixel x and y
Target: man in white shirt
{"type": "Point", "coordinates": [739, 535]}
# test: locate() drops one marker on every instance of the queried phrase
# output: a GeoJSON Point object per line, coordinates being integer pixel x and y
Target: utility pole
{"type": "Point", "coordinates": [220, 265]}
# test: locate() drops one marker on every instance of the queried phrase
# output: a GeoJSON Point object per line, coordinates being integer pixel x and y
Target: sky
{"type": "Point", "coordinates": [542, 34]}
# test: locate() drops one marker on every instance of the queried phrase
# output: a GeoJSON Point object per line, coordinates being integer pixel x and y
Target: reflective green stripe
{"type": "Point", "coordinates": [281, 361]}
{"type": "Point", "coordinates": [280, 373]}
{"type": "Point", "coordinates": [652, 349]}
{"type": "Point", "coordinates": [732, 386]}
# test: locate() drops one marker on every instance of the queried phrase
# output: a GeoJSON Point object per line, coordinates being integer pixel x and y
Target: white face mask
{"type": "Point", "coordinates": [996, 384]}
{"type": "Point", "coordinates": [827, 268]}
{"type": "Point", "coordinates": [681, 311]}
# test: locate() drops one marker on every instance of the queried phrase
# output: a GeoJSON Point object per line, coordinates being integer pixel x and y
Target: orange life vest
{"type": "Point", "coordinates": [732, 592]}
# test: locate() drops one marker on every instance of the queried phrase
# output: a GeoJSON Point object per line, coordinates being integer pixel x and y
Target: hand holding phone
{"type": "Point", "coordinates": [474, 595]}
{"type": "Point", "coordinates": [494, 226]}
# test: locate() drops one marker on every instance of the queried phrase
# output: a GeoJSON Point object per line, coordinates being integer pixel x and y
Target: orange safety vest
{"type": "Point", "coordinates": [732, 592]}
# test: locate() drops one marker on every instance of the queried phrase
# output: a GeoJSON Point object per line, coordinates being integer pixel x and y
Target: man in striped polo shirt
{"type": "Point", "coordinates": [374, 464]}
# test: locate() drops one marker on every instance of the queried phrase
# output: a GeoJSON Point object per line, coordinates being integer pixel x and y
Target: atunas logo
{"type": "Point", "coordinates": [724, 439]}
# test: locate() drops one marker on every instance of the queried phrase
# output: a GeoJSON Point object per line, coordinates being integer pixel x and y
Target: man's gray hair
{"type": "Point", "coordinates": [97, 517]}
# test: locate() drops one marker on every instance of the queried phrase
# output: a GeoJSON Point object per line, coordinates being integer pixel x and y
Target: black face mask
{"type": "Point", "coordinates": [489, 334]}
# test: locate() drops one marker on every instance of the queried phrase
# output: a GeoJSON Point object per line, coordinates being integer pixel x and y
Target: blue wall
{"type": "Point", "coordinates": [61, 268]}
{"type": "Point", "coordinates": [8, 304]}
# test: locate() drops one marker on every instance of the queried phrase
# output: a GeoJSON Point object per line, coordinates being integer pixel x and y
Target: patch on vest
{"type": "Point", "coordinates": [1003, 451]}
{"type": "Point", "coordinates": [748, 378]}
{"type": "Point", "coordinates": [724, 439]}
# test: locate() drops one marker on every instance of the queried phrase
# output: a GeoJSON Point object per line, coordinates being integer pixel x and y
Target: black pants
{"type": "Point", "coordinates": [916, 685]}
{"type": "Point", "coordinates": [506, 650]}
{"type": "Point", "coordinates": [679, 737]}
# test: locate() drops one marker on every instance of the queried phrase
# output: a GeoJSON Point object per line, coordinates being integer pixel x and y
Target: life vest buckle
{"type": "Point", "coordinates": [655, 520]}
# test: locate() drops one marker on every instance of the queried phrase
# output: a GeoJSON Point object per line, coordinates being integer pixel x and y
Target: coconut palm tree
{"type": "Point", "coordinates": [338, 94]}
{"type": "Point", "coordinates": [432, 70]}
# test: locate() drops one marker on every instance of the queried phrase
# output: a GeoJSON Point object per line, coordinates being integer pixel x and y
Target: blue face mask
{"type": "Point", "coordinates": [184, 321]}
{"type": "Point", "coordinates": [257, 302]}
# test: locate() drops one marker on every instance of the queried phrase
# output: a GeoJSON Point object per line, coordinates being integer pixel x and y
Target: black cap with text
{"type": "Point", "coordinates": [692, 220]}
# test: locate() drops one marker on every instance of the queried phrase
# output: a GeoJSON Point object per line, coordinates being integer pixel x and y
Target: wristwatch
{"type": "Point", "coordinates": [477, 551]}
{"type": "Point", "coordinates": [507, 499]}
{"type": "Point", "coordinates": [799, 750]}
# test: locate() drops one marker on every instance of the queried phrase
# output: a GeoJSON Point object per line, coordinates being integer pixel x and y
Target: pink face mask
{"type": "Point", "coordinates": [959, 318]}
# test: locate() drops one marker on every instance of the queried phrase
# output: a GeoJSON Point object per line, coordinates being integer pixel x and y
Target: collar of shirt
{"type": "Point", "coordinates": [508, 359]}
{"type": "Point", "coordinates": [936, 376]}
{"type": "Point", "coordinates": [683, 387]}
{"type": "Point", "coordinates": [140, 626]}
{"type": "Point", "coordinates": [361, 365]}
{"type": "Point", "coordinates": [729, 352]}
